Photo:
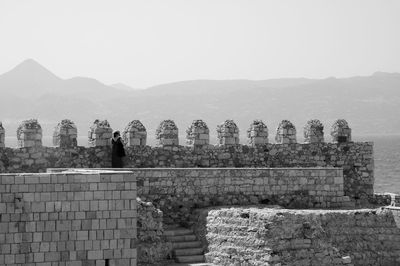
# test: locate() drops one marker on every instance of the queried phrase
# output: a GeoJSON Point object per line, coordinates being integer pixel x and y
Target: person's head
{"type": "Point", "coordinates": [116, 134]}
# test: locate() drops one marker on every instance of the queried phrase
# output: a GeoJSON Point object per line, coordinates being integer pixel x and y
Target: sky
{"type": "Point", "coordinates": [149, 42]}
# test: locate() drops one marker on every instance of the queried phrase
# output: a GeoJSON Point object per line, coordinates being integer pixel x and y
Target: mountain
{"type": "Point", "coordinates": [28, 79]}
{"type": "Point", "coordinates": [371, 104]}
{"type": "Point", "coordinates": [122, 86]}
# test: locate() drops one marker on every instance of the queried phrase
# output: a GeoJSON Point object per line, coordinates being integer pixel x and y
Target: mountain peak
{"type": "Point", "coordinates": [29, 61]}
{"type": "Point", "coordinates": [29, 78]}
{"type": "Point", "coordinates": [30, 70]}
{"type": "Point", "coordinates": [32, 67]}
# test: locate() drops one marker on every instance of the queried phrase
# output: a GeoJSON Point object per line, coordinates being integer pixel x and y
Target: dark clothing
{"type": "Point", "coordinates": [117, 153]}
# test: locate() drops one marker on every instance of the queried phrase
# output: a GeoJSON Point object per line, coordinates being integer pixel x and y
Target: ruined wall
{"type": "Point", "coordinates": [356, 159]}
{"type": "Point", "coordinates": [177, 192]}
{"type": "Point", "coordinates": [152, 246]}
{"type": "Point", "coordinates": [251, 236]}
{"type": "Point", "coordinates": [68, 219]}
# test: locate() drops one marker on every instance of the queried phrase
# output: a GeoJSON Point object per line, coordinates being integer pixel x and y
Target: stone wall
{"type": "Point", "coordinates": [178, 192]}
{"type": "Point", "coordinates": [152, 247]}
{"type": "Point", "coordinates": [68, 219]}
{"type": "Point", "coordinates": [251, 236]}
{"type": "Point", "coordinates": [356, 159]}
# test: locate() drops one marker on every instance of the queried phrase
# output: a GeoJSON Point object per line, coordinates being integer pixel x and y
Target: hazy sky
{"type": "Point", "coordinates": [143, 43]}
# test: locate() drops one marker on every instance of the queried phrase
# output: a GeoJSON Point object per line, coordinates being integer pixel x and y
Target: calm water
{"type": "Point", "coordinates": [386, 153]}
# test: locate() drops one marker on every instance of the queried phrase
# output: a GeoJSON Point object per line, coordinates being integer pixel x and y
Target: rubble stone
{"type": "Point", "coordinates": [198, 134]}
{"type": "Point", "coordinates": [285, 133]}
{"type": "Point", "coordinates": [228, 133]}
{"type": "Point", "coordinates": [134, 134]}
{"type": "Point", "coordinates": [153, 248]}
{"type": "Point", "coordinates": [314, 131]}
{"type": "Point", "coordinates": [100, 134]}
{"type": "Point", "coordinates": [276, 236]}
{"type": "Point", "coordinates": [257, 133]}
{"type": "Point", "coordinates": [29, 134]}
{"type": "Point", "coordinates": [167, 134]}
{"type": "Point", "coordinates": [65, 134]}
{"type": "Point", "coordinates": [340, 131]}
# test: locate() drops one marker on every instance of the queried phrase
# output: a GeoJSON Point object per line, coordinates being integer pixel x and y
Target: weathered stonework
{"type": "Point", "coordinates": [228, 133]}
{"type": "Point", "coordinates": [167, 134]}
{"type": "Point", "coordinates": [177, 192]}
{"type": "Point", "coordinates": [29, 134]}
{"type": "Point", "coordinates": [285, 133]}
{"type": "Point", "coordinates": [99, 134]}
{"type": "Point", "coordinates": [340, 131]}
{"type": "Point", "coordinates": [2, 134]}
{"type": "Point", "coordinates": [86, 218]}
{"type": "Point", "coordinates": [257, 133]}
{"type": "Point", "coordinates": [314, 132]}
{"type": "Point", "coordinates": [153, 248]}
{"type": "Point", "coordinates": [198, 134]}
{"type": "Point", "coordinates": [356, 159]}
{"type": "Point", "coordinates": [65, 134]}
{"type": "Point", "coordinates": [254, 236]}
{"type": "Point", "coordinates": [134, 134]}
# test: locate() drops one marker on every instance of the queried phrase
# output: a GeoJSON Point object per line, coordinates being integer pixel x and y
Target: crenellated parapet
{"type": "Point", "coordinates": [285, 133]}
{"type": "Point", "coordinates": [167, 134]}
{"type": "Point", "coordinates": [198, 134]}
{"type": "Point", "coordinates": [340, 131]}
{"type": "Point", "coordinates": [257, 133]}
{"type": "Point", "coordinates": [65, 134]}
{"type": "Point", "coordinates": [228, 133]}
{"type": "Point", "coordinates": [2, 133]}
{"type": "Point", "coordinates": [29, 134]}
{"type": "Point", "coordinates": [314, 131]}
{"type": "Point", "coordinates": [99, 134]}
{"type": "Point", "coordinates": [134, 134]}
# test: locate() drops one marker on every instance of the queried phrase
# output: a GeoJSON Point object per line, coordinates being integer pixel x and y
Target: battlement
{"type": "Point", "coordinates": [29, 133]}
{"type": "Point", "coordinates": [355, 158]}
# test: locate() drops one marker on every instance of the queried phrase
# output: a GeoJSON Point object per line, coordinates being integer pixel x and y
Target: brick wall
{"type": "Point", "coordinates": [68, 219]}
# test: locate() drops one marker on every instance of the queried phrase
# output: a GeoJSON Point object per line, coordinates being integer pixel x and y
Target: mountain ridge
{"type": "Point", "coordinates": [371, 104]}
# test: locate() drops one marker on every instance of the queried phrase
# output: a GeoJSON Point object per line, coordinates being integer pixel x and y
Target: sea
{"type": "Point", "coordinates": [386, 155]}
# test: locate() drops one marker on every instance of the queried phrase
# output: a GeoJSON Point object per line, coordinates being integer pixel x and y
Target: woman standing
{"type": "Point", "coordinates": [118, 151]}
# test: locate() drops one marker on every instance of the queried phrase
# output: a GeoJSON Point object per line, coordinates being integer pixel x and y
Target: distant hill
{"type": "Point", "coordinates": [122, 86]}
{"type": "Point", "coordinates": [371, 104]}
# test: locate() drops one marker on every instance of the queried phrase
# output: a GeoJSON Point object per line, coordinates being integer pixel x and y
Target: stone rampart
{"type": "Point", "coordinates": [251, 236]}
{"type": "Point", "coordinates": [78, 219]}
{"type": "Point", "coordinates": [356, 159]}
{"type": "Point", "coordinates": [177, 192]}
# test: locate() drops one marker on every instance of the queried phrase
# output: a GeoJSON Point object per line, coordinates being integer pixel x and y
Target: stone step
{"type": "Point", "coordinates": [178, 232]}
{"type": "Point", "coordinates": [188, 244]}
{"type": "Point", "coordinates": [182, 238]}
{"type": "Point", "coordinates": [189, 259]}
{"type": "Point", "coordinates": [188, 251]}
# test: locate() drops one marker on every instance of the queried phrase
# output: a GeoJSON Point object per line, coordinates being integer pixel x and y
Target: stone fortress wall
{"type": "Point", "coordinates": [336, 174]}
{"type": "Point", "coordinates": [73, 219]}
{"type": "Point", "coordinates": [178, 192]}
{"type": "Point", "coordinates": [356, 158]}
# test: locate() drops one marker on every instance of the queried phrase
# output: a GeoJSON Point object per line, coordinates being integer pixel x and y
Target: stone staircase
{"type": "Point", "coordinates": [187, 249]}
